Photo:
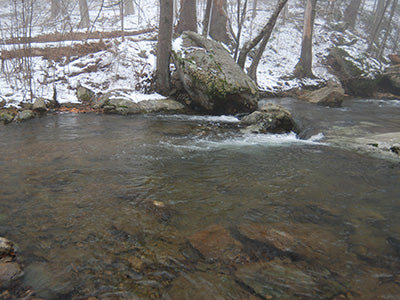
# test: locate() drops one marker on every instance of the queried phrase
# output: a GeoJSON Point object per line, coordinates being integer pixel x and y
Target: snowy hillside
{"type": "Point", "coordinates": [129, 64]}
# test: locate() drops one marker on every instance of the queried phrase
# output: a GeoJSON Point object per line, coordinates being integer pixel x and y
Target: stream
{"type": "Point", "coordinates": [188, 207]}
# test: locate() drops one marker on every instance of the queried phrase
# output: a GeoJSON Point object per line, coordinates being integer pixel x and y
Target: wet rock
{"type": "Point", "coordinates": [6, 247]}
{"type": "Point", "coordinates": [210, 286]}
{"type": "Point", "coordinates": [215, 243]}
{"type": "Point", "coordinates": [121, 106]}
{"type": "Point", "coordinates": [280, 240]}
{"type": "Point", "coordinates": [50, 281]}
{"type": "Point", "coordinates": [39, 105]}
{"type": "Point", "coordinates": [271, 118]}
{"type": "Point", "coordinates": [25, 115]}
{"type": "Point", "coordinates": [386, 142]}
{"type": "Point", "coordinates": [6, 117]}
{"type": "Point", "coordinates": [277, 280]}
{"type": "Point", "coordinates": [353, 72]}
{"type": "Point", "coordinates": [85, 95]}
{"type": "Point", "coordinates": [331, 95]}
{"type": "Point", "coordinates": [9, 272]}
{"type": "Point", "coordinates": [212, 78]}
{"type": "Point", "coordinates": [165, 105]}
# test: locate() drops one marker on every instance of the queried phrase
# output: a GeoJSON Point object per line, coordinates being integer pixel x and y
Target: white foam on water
{"type": "Point", "coordinates": [211, 119]}
{"type": "Point", "coordinates": [244, 141]}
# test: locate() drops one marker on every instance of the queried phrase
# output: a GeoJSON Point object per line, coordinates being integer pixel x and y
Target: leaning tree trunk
{"type": "Point", "coordinates": [379, 16]}
{"type": "Point", "coordinates": [304, 66]}
{"type": "Point", "coordinates": [84, 11]}
{"type": "Point", "coordinates": [270, 25]}
{"type": "Point", "coordinates": [187, 17]}
{"type": "Point", "coordinates": [351, 13]}
{"type": "Point", "coordinates": [265, 32]}
{"type": "Point", "coordinates": [164, 46]}
{"type": "Point", "coordinates": [387, 28]}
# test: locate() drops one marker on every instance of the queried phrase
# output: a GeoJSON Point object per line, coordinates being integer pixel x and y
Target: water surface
{"type": "Point", "coordinates": [111, 207]}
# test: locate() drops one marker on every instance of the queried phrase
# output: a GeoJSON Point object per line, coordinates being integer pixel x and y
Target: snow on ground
{"type": "Point", "coordinates": [127, 66]}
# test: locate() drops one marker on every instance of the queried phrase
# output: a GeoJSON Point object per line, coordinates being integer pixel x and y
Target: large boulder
{"type": "Point", "coordinates": [271, 118]}
{"type": "Point", "coordinates": [39, 105]}
{"type": "Point", "coordinates": [357, 75]}
{"type": "Point", "coordinates": [215, 83]}
{"type": "Point", "coordinates": [330, 95]}
{"type": "Point", "coordinates": [392, 76]}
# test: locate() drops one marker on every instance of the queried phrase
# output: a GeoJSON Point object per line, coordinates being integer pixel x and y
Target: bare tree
{"type": "Point", "coordinates": [351, 13]}
{"type": "Point", "coordinates": [128, 7]}
{"type": "Point", "coordinates": [388, 28]}
{"type": "Point", "coordinates": [55, 8]}
{"type": "Point", "coordinates": [382, 7]}
{"type": "Point", "coordinates": [304, 66]}
{"type": "Point", "coordinates": [187, 17]}
{"type": "Point", "coordinates": [216, 20]}
{"type": "Point", "coordinates": [164, 46]}
{"type": "Point", "coordinates": [271, 24]}
{"type": "Point", "coordinates": [265, 34]}
{"type": "Point", "coordinates": [84, 11]}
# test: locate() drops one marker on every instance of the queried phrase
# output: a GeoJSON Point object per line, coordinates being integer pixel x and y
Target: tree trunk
{"type": "Point", "coordinates": [128, 7]}
{"type": "Point", "coordinates": [164, 46]}
{"type": "Point", "coordinates": [55, 8]}
{"type": "Point", "coordinates": [387, 29]}
{"type": "Point", "coordinates": [304, 66]}
{"type": "Point", "coordinates": [206, 21]}
{"type": "Point", "coordinates": [254, 12]}
{"type": "Point", "coordinates": [379, 16]}
{"type": "Point", "coordinates": [241, 18]}
{"type": "Point", "coordinates": [219, 21]}
{"type": "Point", "coordinates": [265, 32]}
{"type": "Point", "coordinates": [187, 17]}
{"type": "Point", "coordinates": [84, 11]}
{"type": "Point", "coordinates": [256, 60]}
{"type": "Point", "coordinates": [351, 13]}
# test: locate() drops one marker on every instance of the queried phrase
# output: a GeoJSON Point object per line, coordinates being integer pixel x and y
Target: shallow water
{"type": "Point", "coordinates": [109, 207]}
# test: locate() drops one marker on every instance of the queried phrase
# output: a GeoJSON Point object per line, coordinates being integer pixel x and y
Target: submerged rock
{"type": "Point", "coordinates": [271, 118]}
{"type": "Point", "coordinates": [215, 243]}
{"type": "Point", "coordinates": [277, 280]}
{"type": "Point", "coordinates": [9, 272]}
{"type": "Point", "coordinates": [331, 95]}
{"type": "Point", "coordinates": [212, 78]}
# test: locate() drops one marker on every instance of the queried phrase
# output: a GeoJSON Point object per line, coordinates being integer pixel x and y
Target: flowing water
{"type": "Point", "coordinates": [187, 207]}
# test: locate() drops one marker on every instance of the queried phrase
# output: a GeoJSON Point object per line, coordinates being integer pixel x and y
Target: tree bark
{"type": "Point", "coordinates": [84, 11]}
{"type": "Point", "coordinates": [388, 28]}
{"type": "Point", "coordinates": [351, 13]}
{"type": "Point", "coordinates": [264, 33]}
{"type": "Point", "coordinates": [164, 46]}
{"type": "Point", "coordinates": [219, 21]}
{"type": "Point", "coordinates": [55, 8]}
{"type": "Point", "coordinates": [187, 17]}
{"type": "Point", "coordinates": [241, 16]}
{"type": "Point", "coordinates": [128, 7]}
{"type": "Point", "coordinates": [304, 66]}
{"type": "Point", "coordinates": [379, 16]}
{"type": "Point", "coordinates": [206, 21]}
{"type": "Point", "coordinates": [256, 60]}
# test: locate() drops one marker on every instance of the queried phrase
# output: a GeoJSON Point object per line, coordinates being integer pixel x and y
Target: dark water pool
{"type": "Point", "coordinates": [180, 207]}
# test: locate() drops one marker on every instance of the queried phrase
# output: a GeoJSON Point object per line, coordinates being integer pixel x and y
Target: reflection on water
{"type": "Point", "coordinates": [188, 208]}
